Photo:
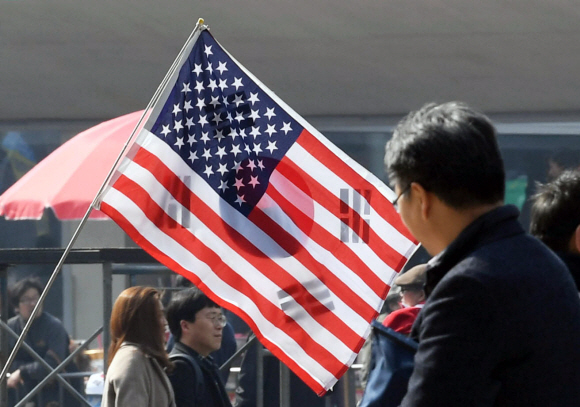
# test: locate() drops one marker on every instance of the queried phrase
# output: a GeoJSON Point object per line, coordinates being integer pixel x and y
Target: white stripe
{"type": "Point", "coordinates": [325, 218]}
{"type": "Point", "coordinates": [164, 243]}
{"type": "Point", "coordinates": [333, 183]}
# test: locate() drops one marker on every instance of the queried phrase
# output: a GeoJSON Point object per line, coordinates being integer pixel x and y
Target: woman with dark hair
{"type": "Point", "coordinates": [137, 357]}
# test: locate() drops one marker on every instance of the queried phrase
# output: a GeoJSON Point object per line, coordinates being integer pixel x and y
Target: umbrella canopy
{"type": "Point", "coordinates": [69, 178]}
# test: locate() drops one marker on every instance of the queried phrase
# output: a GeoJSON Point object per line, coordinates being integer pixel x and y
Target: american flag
{"type": "Point", "coordinates": [229, 187]}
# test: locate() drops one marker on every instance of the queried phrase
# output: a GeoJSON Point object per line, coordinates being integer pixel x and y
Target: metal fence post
{"type": "Point", "coordinates": [107, 310]}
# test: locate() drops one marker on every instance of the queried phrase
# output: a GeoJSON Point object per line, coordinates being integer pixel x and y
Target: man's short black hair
{"type": "Point", "coordinates": [20, 287]}
{"type": "Point", "coordinates": [555, 213]}
{"type": "Point", "coordinates": [184, 305]}
{"type": "Point", "coordinates": [450, 150]}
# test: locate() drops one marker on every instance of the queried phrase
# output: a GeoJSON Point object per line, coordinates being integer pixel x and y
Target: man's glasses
{"type": "Point", "coordinates": [217, 319]}
{"type": "Point", "coordinates": [403, 192]}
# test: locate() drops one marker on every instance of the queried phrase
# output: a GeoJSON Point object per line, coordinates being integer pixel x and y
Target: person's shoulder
{"type": "Point", "coordinates": [128, 358]}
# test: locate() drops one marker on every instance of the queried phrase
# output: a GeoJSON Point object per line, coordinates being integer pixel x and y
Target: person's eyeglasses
{"type": "Point", "coordinates": [396, 200]}
{"type": "Point", "coordinates": [217, 319]}
{"type": "Point", "coordinates": [28, 300]}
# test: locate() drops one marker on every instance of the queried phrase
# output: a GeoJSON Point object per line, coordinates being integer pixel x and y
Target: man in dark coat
{"type": "Point", "coordinates": [197, 323]}
{"type": "Point", "coordinates": [501, 324]}
{"type": "Point", "coordinates": [556, 219]}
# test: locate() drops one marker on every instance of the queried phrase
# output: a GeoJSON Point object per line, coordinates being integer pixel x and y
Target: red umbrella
{"type": "Point", "coordinates": [69, 178]}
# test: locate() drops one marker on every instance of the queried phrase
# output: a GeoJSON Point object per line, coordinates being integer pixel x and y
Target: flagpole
{"type": "Point", "coordinates": [154, 99]}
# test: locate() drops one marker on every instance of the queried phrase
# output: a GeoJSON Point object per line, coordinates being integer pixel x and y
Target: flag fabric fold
{"type": "Point", "coordinates": [231, 188]}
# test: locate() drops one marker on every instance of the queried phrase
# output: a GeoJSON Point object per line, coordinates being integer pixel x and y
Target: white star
{"type": "Point", "coordinates": [254, 115]}
{"type": "Point", "coordinates": [219, 134]}
{"type": "Point", "coordinates": [197, 69]}
{"type": "Point", "coordinates": [179, 142]}
{"type": "Point", "coordinates": [222, 67]}
{"type": "Point", "coordinates": [255, 131]}
{"type": "Point", "coordinates": [193, 156]}
{"type": "Point", "coordinates": [223, 186]}
{"type": "Point", "coordinates": [223, 84]}
{"type": "Point", "coordinates": [191, 139]}
{"type": "Point", "coordinates": [247, 149]}
{"type": "Point", "coordinates": [217, 119]}
{"type": "Point", "coordinates": [271, 129]}
{"type": "Point", "coordinates": [178, 125]}
{"type": "Point", "coordinates": [237, 166]}
{"type": "Point", "coordinates": [165, 130]}
{"type": "Point", "coordinates": [204, 137]}
{"type": "Point", "coordinates": [253, 98]}
{"type": "Point", "coordinates": [233, 134]}
{"type": "Point", "coordinates": [202, 120]}
{"type": "Point", "coordinates": [269, 113]}
{"type": "Point", "coordinates": [239, 116]}
{"type": "Point", "coordinates": [189, 122]}
{"type": "Point", "coordinates": [243, 133]}
{"type": "Point", "coordinates": [240, 200]}
{"type": "Point", "coordinates": [222, 169]}
{"type": "Point", "coordinates": [221, 152]}
{"type": "Point", "coordinates": [237, 83]}
{"type": "Point", "coordinates": [239, 183]}
{"type": "Point", "coordinates": [286, 128]}
{"type": "Point", "coordinates": [251, 165]}
{"type": "Point", "coordinates": [271, 146]}
{"type": "Point", "coordinates": [185, 88]}
{"type": "Point", "coordinates": [209, 68]}
{"type": "Point", "coordinates": [187, 106]}
{"type": "Point", "coordinates": [208, 171]}
{"type": "Point", "coordinates": [207, 50]}
{"type": "Point", "coordinates": [236, 150]}
{"type": "Point", "coordinates": [253, 181]}
{"type": "Point", "coordinates": [261, 164]}
{"type": "Point", "coordinates": [199, 86]}
{"type": "Point", "coordinates": [257, 148]}
{"type": "Point", "coordinates": [238, 100]}
{"type": "Point", "coordinates": [206, 154]}
{"type": "Point", "coordinates": [214, 101]}
{"type": "Point", "coordinates": [212, 84]}
{"type": "Point", "coordinates": [176, 109]}
{"type": "Point", "coordinates": [200, 103]}
{"type": "Point", "coordinates": [229, 116]}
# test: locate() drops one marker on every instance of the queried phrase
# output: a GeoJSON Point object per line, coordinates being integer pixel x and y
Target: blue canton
{"type": "Point", "coordinates": [226, 128]}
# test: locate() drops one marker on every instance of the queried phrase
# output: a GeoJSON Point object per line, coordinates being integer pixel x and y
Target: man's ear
{"type": "Point", "coordinates": [184, 326]}
{"type": "Point", "coordinates": [423, 198]}
{"type": "Point", "coordinates": [576, 239]}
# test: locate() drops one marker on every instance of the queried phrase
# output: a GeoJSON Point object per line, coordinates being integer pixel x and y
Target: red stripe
{"type": "Point", "coordinates": [382, 205]}
{"type": "Point", "coordinates": [230, 236]}
{"type": "Point", "coordinates": [168, 261]}
{"type": "Point", "coordinates": [329, 242]}
{"type": "Point", "coordinates": [297, 176]}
